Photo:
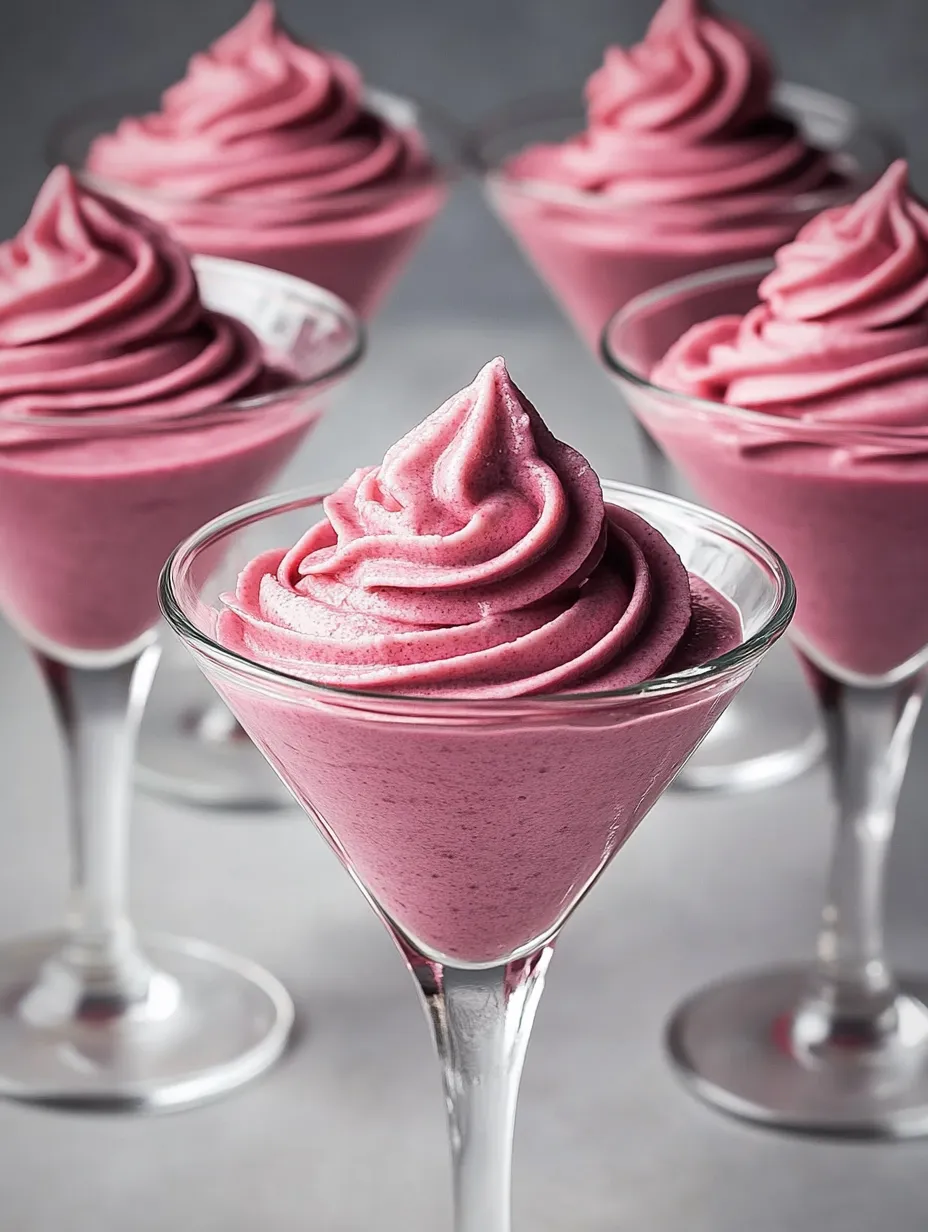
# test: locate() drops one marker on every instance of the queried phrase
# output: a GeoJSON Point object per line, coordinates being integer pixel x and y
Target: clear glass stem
{"type": "Point", "coordinates": [854, 998]}
{"type": "Point", "coordinates": [481, 1021]}
{"type": "Point", "coordinates": [99, 971]}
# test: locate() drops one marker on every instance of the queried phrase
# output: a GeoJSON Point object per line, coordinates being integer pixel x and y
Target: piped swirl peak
{"type": "Point", "coordinates": [99, 311]}
{"type": "Point", "coordinates": [840, 334]}
{"type": "Point", "coordinates": [695, 74]}
{"type": "Point", "coordinates": [686, 116]}
{"type": "Point", "coordinates": [259, 113]}
{"type": "Point", "coordinates": [478, 559]}
{"type": "Point", "coordinates": [864, 264]}
{"type": "Point", "coordinates": [474, 504]}
{"type": "Point", "coordinates": [75, 262]}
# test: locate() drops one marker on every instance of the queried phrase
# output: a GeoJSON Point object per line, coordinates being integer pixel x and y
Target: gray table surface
{"type": "Point", "coordinates": [348, 1133]}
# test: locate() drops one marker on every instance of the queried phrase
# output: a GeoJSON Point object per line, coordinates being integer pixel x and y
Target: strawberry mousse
{"type": "Point", "coordinates": [828, 457]}
{"type": "Point", "coordinates": [685, 163]}
{"type": "Point", "coordinates": [473, 574]}
{"type": "Point", "coordinates": [271, 152]}
{"type": "Point", "coordinates": [129, 412]}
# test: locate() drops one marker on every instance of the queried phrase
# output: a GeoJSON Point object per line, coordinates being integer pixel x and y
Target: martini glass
{"type": "Point", "coordinates": [356, 243]}
{"type": "Point", "coordinates": [594, 255]}
{"type": "Point", "coordinates": [838, 1046]}
{"type": "Point", "coordinates": [461, 820]}
{"type": "Point", "coordinates": [94, 1016]}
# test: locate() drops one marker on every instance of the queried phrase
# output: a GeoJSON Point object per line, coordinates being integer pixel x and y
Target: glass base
{"type": "Point", "coordinates": [732, 1044]}
{"type": "Point", "coordinates": [769, 735]}
{"type": "Point", "coordinates": [210, 1022]}
{"type": "Point", "coordinates": [191, 751]}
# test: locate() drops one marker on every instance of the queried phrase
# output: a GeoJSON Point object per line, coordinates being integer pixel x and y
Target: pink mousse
{"type": "Point", "coordinates": [268, 152]}
{"type": "Point", "coordinates": [114, 443]}
{"type": "Point", "coordinates": [478, 561]}
{"type": "Point", "coordinates": [835, 476]}
{"type": "Point", "coordinates": [684, 164]}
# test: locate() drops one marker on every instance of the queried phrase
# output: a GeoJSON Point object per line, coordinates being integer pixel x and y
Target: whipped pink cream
{"type": "Point", "coordinates": [841, 331]}
{"type": "Point", "coordinates": [268, 150]}
{"type": "Point", "coordinates": [98, 312]}
{"type": "Point", "coordinates": [686, 117]}
{"type": "Point", "coordinates": [477, 563]}
{"type": "Point", "coordinates": [112, 447]}
{"type": "Point", "coordinates": [835, 356]}
{"type": "Point", "coordinates": [479, 558]}
{"type": "Point", "coordinates": [685, 163]}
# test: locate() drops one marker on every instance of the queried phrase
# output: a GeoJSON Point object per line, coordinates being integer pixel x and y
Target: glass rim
{"type": "Point", "coordinates": [443, 170]}
{"type": "Point", "coordinates": [746, 652]}
{"type": "Point", "coordinates": [559, 105]}
{"type": "Point", "coordinates": [78, 423]}
{"type": "Point", "coordinates": [721, 275]}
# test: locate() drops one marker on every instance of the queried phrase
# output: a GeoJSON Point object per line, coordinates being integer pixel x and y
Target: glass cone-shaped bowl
{"type": "Point", "coordinates": [839, 1046]}
{"type": "Point", "coordinates": [474, 828]}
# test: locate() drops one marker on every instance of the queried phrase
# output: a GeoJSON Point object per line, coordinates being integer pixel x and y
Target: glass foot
{"type": "Point", "coordinates": [206, 1022]}
{"type": "Point", "coordinates": [192, 751]}
{"type": "Point", "coordinates": [734, 1045]}
{"type": "Point", "coordinates": [770, 734]}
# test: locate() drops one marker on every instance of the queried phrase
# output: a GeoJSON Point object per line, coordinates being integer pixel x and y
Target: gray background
{"type": "Point", "coordinates": [348, 1134]}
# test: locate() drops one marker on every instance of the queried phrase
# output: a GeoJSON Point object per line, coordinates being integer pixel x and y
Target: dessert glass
{"type": "Point", "coordinates": [838, 1046]}
{"type": "Point", "coordinates": [191, 750]}
{"type": "Point", "coordinates": [94, 1016]}
{"type": "Point", "coordinates": [438, 806]}
{"type": "Point", "coordinates": [574, 241]}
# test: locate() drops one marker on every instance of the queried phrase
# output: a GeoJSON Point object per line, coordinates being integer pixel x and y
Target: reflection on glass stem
{"type": "Point", "coordinates": [481, 1021]}
{"type": "Point", "coordinates": [853, 1001]}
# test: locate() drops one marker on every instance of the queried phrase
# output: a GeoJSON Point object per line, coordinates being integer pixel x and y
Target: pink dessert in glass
{"type": "Point", "coordinates": [478, 562]}
{"type": "Point", "coordinates": [690, 159]}
{"type": "Point", "coordinates": [794, 395]}
{"type": "Point", "coordinates": [134, 402]}
{"type": "Point", "coordinates": [477, 669]}
{"type": "Point", "coordinates": [833, 466]}
{"type": "Point", "coordinates": [128, 413]}
{"type": "Point", "coordinates": [272, 152]}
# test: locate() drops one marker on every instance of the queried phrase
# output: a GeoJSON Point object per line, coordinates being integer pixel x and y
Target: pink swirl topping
{"type": "Point", "coordinates": [841, 332]}
{"type": "Point", "coordinates": [686, 115]}
{"type": "Point", "coordinates": [99, 311]}
{"type": "Point", "coordinates": [478, 559]}
{"type": "Point", "coordinates": [259, 113]}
